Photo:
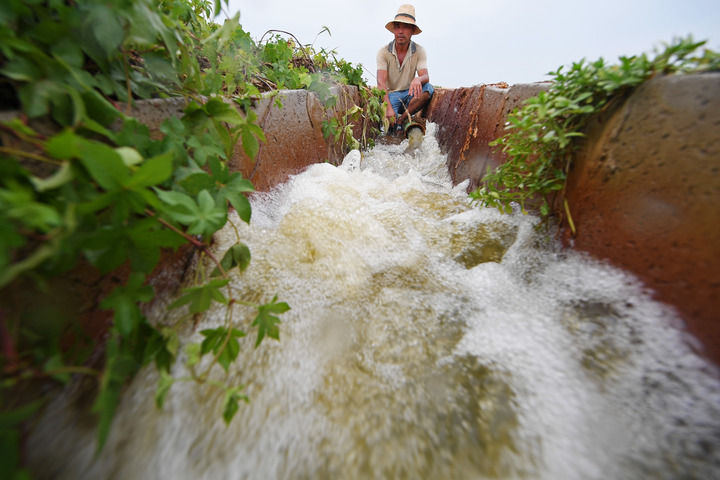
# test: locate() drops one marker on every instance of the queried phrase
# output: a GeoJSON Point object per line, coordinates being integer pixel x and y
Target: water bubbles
{"type": "Point", "coordinates": [427, 339]}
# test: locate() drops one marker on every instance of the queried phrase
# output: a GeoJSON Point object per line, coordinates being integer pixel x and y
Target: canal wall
{"type": "Point", "coordinates": [643, 189]}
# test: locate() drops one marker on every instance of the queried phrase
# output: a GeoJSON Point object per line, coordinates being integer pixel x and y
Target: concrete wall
{"type": "Point", "coordinates": [293, 131]}
{"type": "Point", "coordinates": [469, 118]}
{"type": "Point", "coordinates": [643, 192]}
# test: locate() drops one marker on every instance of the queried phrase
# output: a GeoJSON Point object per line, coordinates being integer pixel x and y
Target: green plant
{"type": "Point", "coordinates": [97, 189]}
{"type": "Point", "coordinates": [297, 66]}
{"type": "Point", "coordinates": [102, 191]}
{"type": "Point", "coordinates": [340, 131]}
{"type": "Point", "coordinates": [339, 128]}
{"type": "Point", "coordinates": [542, 135]}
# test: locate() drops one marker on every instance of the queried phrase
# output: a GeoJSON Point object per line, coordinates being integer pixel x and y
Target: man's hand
{"type": "Point", "coordinates": [415, 87]}
{"type": "Point", "coordinates": [390, 114]}
{"type": "Point", "coordinates": [382, 77]}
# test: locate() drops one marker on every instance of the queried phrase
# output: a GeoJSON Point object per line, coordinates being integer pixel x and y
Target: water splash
{"type": "Point", "coordinates": [427, 339]}
{"type": "Point", "coordinates": [415, 136]}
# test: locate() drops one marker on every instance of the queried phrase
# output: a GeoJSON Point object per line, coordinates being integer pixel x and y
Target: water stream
{"type": "Point", "coordinates": [427, 339]}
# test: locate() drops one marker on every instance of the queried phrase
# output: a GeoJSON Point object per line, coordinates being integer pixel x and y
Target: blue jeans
{"type": "Point", "coordinates": [400, 99]}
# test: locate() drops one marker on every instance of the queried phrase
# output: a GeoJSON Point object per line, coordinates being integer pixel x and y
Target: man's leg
{"type": "Point", "coordinates": [417, 104]}
{"type": "Point", "coordinates": [398, 101]}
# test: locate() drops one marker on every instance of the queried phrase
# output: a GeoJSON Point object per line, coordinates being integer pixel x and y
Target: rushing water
{"type": "Point", "coordinates": [427, 339]}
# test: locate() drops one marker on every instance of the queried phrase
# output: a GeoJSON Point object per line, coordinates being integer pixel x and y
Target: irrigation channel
{"type": "Point", "coordinates": [427, 339]}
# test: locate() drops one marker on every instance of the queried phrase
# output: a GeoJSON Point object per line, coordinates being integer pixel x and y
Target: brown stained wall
{"type": "Point", "coordinates": [294, 136]}
{"type": "Point", "coordinates": [470, 118]}
{"type": "Point", "coordinates": [293, 132]}
{"type": "Point", "coordinates": [644, 192]}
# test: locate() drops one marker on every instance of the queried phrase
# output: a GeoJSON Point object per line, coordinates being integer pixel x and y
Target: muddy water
{"type": "Point", "coordinates": [426, 339]}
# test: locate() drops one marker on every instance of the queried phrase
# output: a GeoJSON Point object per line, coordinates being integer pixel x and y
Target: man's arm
{"type": "Point", "coordinates": [417, 82]}
{"type": "Point", "coordinates": [382, 78]}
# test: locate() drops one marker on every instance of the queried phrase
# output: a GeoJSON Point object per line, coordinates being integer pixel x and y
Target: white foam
{"type": "Point", "coordinates": [396, 359]}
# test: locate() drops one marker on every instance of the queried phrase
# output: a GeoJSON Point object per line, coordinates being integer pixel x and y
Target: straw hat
{"type": "Point", "coordinates": [406, 14]}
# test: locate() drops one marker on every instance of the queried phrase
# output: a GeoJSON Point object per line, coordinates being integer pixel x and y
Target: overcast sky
{"type": "Point", "coordinates": [471, 42]}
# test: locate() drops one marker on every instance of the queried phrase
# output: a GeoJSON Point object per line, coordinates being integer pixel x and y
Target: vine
{"type": "Point", "coordinates": [96, 188]}
{"type": "Point", "coordinates": [339, 128]}
{"type": "Point", "coordinates": [543, 134]}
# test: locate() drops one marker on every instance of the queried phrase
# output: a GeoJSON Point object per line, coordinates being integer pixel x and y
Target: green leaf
{"type": "Point", "coordinates": [125, 300]}
{"type": "Point", "coordinates": [219, 170]}
{"type": "Point", "coordinates": [267, 323]}
{"type": "Point", "coordinates": [238, 184]}
{"type": "Point", "coordinates": [229, 353]}
{"type": "Point", "coordinates": [161, 347]}
{"type": "Point", "coordinates": [106, 27]}
{"type": "Point", "coordinates": [69, 52]}
{"type": "Point", "coordinates": [232, 396]}
{"type": "Point", "coordinates": [18, 125]}
{"type": "Point", "coordinates": [119, 367]}
{"type": "Point", "coordinates": [249, 142]}
{"type": "Point", "coordinates": [21, 69]}
{"type": "Point", "coordinates": [237, 256]}
{"type": "Point", "coordinates": [223, 343]}
{"type": "Point", "coordinates": [206, 148]}
{"type": "Point", "coordinates": [100, 110]}
{"type": "Point", "coordinates": [224, 112]}
{"type": "Point", "coordinates": [164, 383]}
{"type": "Point", "coordinates": [104, 164]}
{"type": "Point", "coordinates": [146, 240]}
{"type": "Point", "coordinates": [197, 182]}
{"type": "Point", "coordinates": [173, 127]}
{"type": "Point", "coordinates": [20, 205]}
{"type": "Point", "coordinates": [193, 352]}
{"type": "Point", "coordinates": [213, 339]}
{"type": "Point", "coordinates": [203, 218]}
{"type": "Point", "coordinates": [233, 192]}
{"type": "Point", "coordinates": [209, 217]}
{"type": "Point", "coordinates": [202, 296]}
{"type": "Point", "coordinates": [152, 172]}
{"type": "Point", "coordinates": [240, 256]}
{"type": "Point", "coordinates": [173, 341]}
{"type": "Point", "coordinates": [129, 155]}
{"type": "Point", "coordinates": [176, 199]}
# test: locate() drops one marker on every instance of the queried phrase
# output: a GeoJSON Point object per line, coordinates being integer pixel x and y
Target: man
{"type": "Point", "coordinates": [397, 64]}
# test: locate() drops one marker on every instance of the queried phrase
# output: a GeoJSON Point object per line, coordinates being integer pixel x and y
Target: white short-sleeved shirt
{"type": "Point", "coordinates": [400, 76]}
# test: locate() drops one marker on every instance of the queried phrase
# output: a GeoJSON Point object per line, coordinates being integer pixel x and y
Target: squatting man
{"type": "Point", "coordinates": [397, 64]}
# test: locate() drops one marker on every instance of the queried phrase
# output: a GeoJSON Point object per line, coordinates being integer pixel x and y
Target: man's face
{"type": "Point", "coordinates": [403, 33]}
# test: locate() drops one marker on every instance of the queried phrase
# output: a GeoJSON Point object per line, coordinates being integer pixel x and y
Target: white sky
{"type": "Point", "coordinates": [471, 42]}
